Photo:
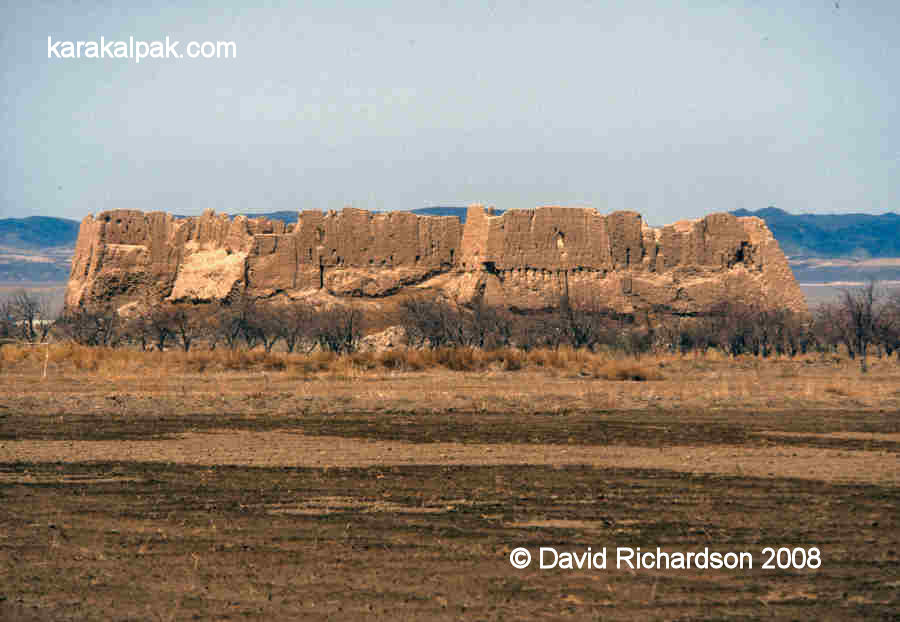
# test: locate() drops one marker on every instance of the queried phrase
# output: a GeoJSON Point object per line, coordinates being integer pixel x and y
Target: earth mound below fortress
{"type": "Point", "coordinates": [522, 259]}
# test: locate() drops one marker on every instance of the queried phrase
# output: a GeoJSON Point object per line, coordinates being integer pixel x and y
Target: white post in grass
{"type": "Point", "coordinates": [34, 345]}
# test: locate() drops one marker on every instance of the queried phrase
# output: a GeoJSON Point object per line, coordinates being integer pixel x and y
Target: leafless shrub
{"type": "Point", "coordinates": [584, 325]}
{"type": "Point", "coordinates": [437, 324]}
{"type": "Point", "coordinates": [887, 326]}
{"type": "Point", "coordinates": [863, 318]}
{"type": "Point", "coordinates": [538, 330]}
{"type": "Point", "coordinates": [488, 327]}
{"type": "Point", "coordinates": [25, 316]}
{"type": "Point", "coordinates": [337, 329]}
{"type": "Point", "coordinates": [7, 321]}
{"type": "Point", "coordinates": [232, 323]}
{"type": "Point", "coordinates": [434, 324]}
{"type": "Point", "coordinates": [188, 324]}
{"type": "Point", "coordinates": [862, 309]}
{"type": "Point", "coordinates": [263, 326]}
{"type": "Point", "coordinates": [97, 327]}
{"type": "Point", "coordinates": [160, 326]}
{"type": "Point", "coordinates": [295, 324]}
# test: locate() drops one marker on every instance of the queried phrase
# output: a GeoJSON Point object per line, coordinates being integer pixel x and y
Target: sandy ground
{"type": "Point", "coordinates": [271, 497]}
{"type": "Point", "coordinates": [290, 449]}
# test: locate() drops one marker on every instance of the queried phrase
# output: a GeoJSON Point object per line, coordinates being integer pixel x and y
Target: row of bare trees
{"type": "Point", "coordinates": [242, 324]}
{"type": "Point", "coordinates": [863, 322]}
{"type": "Point", "coordinates": [732, 328]}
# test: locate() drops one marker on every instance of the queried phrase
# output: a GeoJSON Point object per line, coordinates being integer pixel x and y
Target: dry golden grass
{"type": "Point", "coordinates": [103, 360]}
{"type": "Point", "coordinates": [553, 380]}
{"type": "Point", "coordinates": [839, 391]}
{"type": "Point", "coordinates": [627, 370]}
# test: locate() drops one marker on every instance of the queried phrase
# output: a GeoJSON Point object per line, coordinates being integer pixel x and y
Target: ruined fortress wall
{"type": "Point", "coordinates": [353, 252]}
{"type": "Point", "coordinates": [523, 258]}
{"type": "Point", "coordinates": [532, 257]}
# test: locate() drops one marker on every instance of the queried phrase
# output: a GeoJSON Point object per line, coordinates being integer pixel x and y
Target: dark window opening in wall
{"type": "Point", "coordinates": [310, 253]}
{"type": "Point", "coordinates": [451, 255]}
{"type": "Point", "coordinates": [627, 257]}
{"type": "Point", "coordinates": [392, 259]}
{"type": "Point", "coordinates": [417, 259]}
{"type": "Point", "coordinates": [490, 266]}
{"type": "Point", "coordinates": [321, 276]}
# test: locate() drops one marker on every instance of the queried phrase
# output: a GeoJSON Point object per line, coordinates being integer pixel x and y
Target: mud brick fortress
{"type": "Point", "coordinates": [526, 259]}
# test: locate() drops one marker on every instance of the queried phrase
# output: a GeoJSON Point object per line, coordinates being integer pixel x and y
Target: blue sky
{"type": "Point", "coordinates": [672, 109]}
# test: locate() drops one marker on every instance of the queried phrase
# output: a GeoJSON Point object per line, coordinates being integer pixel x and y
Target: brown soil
{"type": "Point", "coordinates": [402, 496]}
{"type": "Point", "coordinates": [277, 448]}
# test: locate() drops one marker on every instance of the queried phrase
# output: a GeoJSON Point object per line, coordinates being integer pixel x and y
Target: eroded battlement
{"type": "Point", "coordinates": [522, 258]}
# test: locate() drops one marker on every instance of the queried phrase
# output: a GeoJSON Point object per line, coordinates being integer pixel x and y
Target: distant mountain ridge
{"type": "Point", "coordinates": [37, 249]}
{"type": "Point", "coordinates": [459, 212]}
{"type": "Point", "coordinates": [37, 232]}
{"type": "Point", "coordinates": [858, 236]}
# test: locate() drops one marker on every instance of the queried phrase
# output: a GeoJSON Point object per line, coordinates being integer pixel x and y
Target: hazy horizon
{"type": "Point", "coordinates": [671, 112]}
{"type": "Point", "coordinates": [256, 213]}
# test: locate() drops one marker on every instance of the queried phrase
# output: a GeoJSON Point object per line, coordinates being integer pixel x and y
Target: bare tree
{"type": "Point", "coordinates": [138, 330]}
{"type": "Point", "coordinates": [232, 322]}
{"type": "Point", "coordinates": [26, 308]}
{"type": "Point", "coordinates": [587, 323]}
{"type": "Point", "coordinates": [27, 316]}
{"type": "Point", "coordinates": [861, 308]}
{"type": "Point", "coordinates": [432, 323]}
{"type": "Point", "coordinates": [96, 327]}
{"type": "Point", "coordinates": [489, 327]}
{"type": "Point", "coordinates": [337, 329]}
{"type": "Point", "coordinates": [264, 325]}
{"type": "Point", "coordinates": [831, 327]}
{"type": "Point", "coordinates": [7, 320]}
{"type": "Point", "coordinates": [187, 324]}
{"type": "Point", "coordinates": [887, 328]}
{"type": "Point", "coordinates": [538, 330]}
{"type": "Point", "coordinates": [295, 324]}
{"type": "Point", "coordinates": [160, 321]}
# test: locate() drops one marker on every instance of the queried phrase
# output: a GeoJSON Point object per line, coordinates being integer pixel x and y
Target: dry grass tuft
{"type": "Point", "coordinates": [627, 370]}
{"type": "Point", "coordinates": [839, 391]}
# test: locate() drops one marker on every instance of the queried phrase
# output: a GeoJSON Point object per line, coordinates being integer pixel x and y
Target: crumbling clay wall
{"type": "Point", "coordinates": [530, 258]}
{"type": "Point", "coordinates": [353, 253]}
{"type": "Point", "coordinates": [126, 256]}
{"type": "Point", "coordinates": [524, 258]}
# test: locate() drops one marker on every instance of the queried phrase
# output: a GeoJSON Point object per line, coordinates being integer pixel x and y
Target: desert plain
{"type": "Point", "coordinates": [162, 486]}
